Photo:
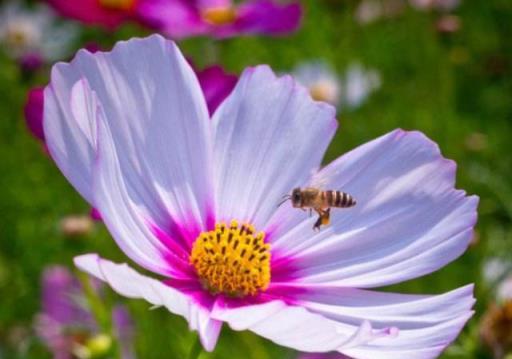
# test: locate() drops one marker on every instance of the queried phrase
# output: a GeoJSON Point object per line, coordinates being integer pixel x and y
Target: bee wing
{"type": "Point", "coordinates": [318, 180]}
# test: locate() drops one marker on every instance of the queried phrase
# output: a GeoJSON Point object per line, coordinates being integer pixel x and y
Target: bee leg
{"type": "Point", "coordinates": [310, 212]}
{"type": "Point", "coordinates": [318, 223]}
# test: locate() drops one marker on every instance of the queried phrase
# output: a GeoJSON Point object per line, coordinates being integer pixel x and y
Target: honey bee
{"type": "Point", "coordinates": [320, 201]}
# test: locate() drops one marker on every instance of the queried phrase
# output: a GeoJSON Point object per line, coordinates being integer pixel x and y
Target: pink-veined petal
{"type": "Point", "coordinates": [70, 123]}
{"type": "Point", "coordinates": [409, 220]}
{"type": "Point", "coordinates": [426, 324]}
{"type": "Point", "coordinates": [127, 282]}
{"type": "Point", "coordinates": [295, 327]}
{"type": "Point", "coordinates": [269, 136]}
{"type": "Point", "coordinates": [158, 121]}
{"type": "Point", "coordinates": [121, 206]}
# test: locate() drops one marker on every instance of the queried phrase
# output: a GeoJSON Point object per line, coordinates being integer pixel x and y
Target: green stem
{"type": "Point", "coordinates": [196, 349]}
{"type": "Point", "coordinates": [97, 306]}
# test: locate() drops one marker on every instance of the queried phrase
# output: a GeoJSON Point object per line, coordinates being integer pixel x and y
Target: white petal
{"type": "Point", "coordinates": [409, 220]}
{"type": "Point", "coordinates": [71, 136]}
{"type": "Point", "coordinates": [127, 282]}
{"type": "Point", "coordinates": [158, 118]}
{"type": "Point", "coordinates": [268, 137]}
{"type": "Point", "coordinates": [121, 204]}
{"type": "Point", "coordinates": [425, 324]}
{"type": "Point", "coordinates": [295, 327]}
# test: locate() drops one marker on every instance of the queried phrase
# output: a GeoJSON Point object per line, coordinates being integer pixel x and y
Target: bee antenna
{"type": "Point", "coordinates": [286, 197]}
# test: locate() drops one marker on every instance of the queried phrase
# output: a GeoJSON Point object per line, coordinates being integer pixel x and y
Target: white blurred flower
{"type": "Point", "coordinates": [494, 270]}
{"type": "Point", "coordinates": [34, 33]}
{"type": "Point", "coordinates": [441, 5]}
{"type": "Point", "coordinates": [358, 84]}
{"type": "Point", "coordinates": [369, 11]}
{"type": "Point", "coordinates": [320, 79]}
{"type": "Point", "coordinates": [324, 84]}
{"type": "Point", "coordinates": [504, 291]}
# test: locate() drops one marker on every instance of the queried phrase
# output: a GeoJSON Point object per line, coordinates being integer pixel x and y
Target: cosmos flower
{"type": "Point", "coordinates": [32, 37]}
{"type": "Point", "coordinates": [33, 109]}
{"type": "Point", "coordinates": [359, 84]}
{"type": "Point", "coordinates": [107, 13]}
{"type": "Point", "coordinates": [321, 80]}
{"type": "Point", "coordinates": [183, 18]}
{"type": "Point", "coordinates": [194, 201]}
{"type": "Point", "coordinates": [216, 84]}
{"type": "Point", "coordinates": [369, 11]}
{"type": "Point", "coordinates": [66, 325]}
{"type": "Point", "coordinates": [221, 18]}
{"type": "Point", "coordinates": [440, 5]}
{"type": "Point", "coordinates": [324, 84]}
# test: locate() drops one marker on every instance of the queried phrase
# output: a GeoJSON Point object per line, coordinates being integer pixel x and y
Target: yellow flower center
{"type": "Point", "coordinates": [221, 15]}
{"type": "Point", "coordinates": [232, 260]}
{"type": "Point", "coordinates": [118, 4]}
{"type": "Point", "coordinates": [323, 91]}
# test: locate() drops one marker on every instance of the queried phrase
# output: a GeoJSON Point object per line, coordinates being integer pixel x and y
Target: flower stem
{"type": "Point", "coordinates": [196, 349]}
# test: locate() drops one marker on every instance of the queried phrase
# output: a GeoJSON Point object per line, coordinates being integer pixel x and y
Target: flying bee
{"type": "Point", "coordinates": [320, 201]}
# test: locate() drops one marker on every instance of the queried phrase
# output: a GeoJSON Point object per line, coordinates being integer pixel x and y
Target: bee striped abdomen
{"type": "Point", "coordinates": [342, 199]}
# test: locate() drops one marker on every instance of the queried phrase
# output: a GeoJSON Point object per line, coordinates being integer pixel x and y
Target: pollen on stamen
{"type": "Point", "coordinates": [232, 260]}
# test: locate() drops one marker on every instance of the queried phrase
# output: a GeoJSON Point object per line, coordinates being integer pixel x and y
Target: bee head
{"type": "Point", "coordinates": [296, 197]}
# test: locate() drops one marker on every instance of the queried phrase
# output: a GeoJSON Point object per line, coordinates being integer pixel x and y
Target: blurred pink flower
{"type": "Point", "coordinates": [194, 200]}
{"type": "Point", "coordinates": [183, 18]}
{"type": "Point", "coordinates": [108, 13]}
{"type": "Point", "coordinates": [216, 85]}
{"type": "Point", "coordinates": [65, 323]}
{"type": "Point", "coordinates": [221, 18]}
{"type": "Point", "coordinates": [34, 112]}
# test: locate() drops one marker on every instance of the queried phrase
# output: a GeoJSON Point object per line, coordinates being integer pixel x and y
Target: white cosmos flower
{"type": "Point", "coordinates": [194, 200]}
{"type": "Point", "coordinates": [34, 32]}
{"type": "Point", "coordinates": [359, 84]}
{"type": "Point", "coordinates": [350, 91]}
{"type": "Point", "coordinates": [320, 79]}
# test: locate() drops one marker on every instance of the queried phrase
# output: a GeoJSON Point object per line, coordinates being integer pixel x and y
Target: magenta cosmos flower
{"type": "Point", "coordinates": [66, 325]}
{"type": "Point", "coordinates": [194, 201]}
{"type": "Point", "coordinates": [108, 13]}
{"type": "Point", "coordinates": [221, 18]}
{"type": "Point", "coordinates": [183, 18]}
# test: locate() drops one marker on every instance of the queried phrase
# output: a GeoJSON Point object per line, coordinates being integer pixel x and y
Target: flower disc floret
{"type": "Point", "coordinates": [117, 4]}
{"type": "Point", "coordinates": [219, 15]}
{"type": "Point", "coordinates": [232, 260]}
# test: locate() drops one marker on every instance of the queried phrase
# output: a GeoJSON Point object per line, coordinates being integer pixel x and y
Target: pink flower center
{"type": "Point", "coordinates": [232, 260]}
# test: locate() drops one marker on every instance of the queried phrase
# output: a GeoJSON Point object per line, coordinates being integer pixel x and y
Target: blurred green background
{"type": "Point", "coordinates": [456, 88]}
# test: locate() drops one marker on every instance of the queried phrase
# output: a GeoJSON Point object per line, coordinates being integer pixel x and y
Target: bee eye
{"type": "Point", "coordinates": [296, 197]}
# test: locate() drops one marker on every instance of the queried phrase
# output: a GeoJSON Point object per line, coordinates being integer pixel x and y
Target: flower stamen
{"type": "Point", "coordinates": [232, 260]}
